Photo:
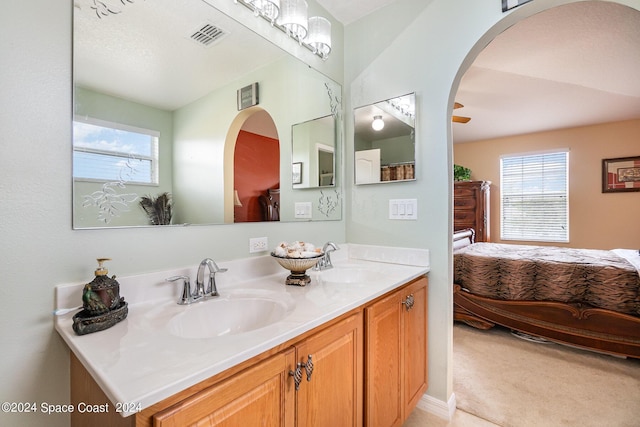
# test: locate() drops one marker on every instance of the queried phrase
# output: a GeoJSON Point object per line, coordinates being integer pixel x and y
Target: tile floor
{"type": "Point", "coordinates": [420, 418]}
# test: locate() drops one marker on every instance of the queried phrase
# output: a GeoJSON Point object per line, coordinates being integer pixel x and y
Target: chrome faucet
{"type": "Point", "coordinates": [199, 292]}
{"type": "Point", "coordinates": [325, 262]}
{"type": "Point", "coordinates": [211, 289]}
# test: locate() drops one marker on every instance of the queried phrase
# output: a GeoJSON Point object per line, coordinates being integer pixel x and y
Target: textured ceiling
{"type": "Point", "coordinates": [572, 65]}
{"type": "Point", "coordinates": [569, 66]}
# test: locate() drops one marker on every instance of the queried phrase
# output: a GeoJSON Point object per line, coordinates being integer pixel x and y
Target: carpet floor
{"type": "Point", "coordinates": [516, 383]}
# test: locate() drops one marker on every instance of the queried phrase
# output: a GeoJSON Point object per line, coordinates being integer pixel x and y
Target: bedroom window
{"type": "Point", "coordinates": [105, 151]}
{"type": "Point", "coordinates": [534, 197]}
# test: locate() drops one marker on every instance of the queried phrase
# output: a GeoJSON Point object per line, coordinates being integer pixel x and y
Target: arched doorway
{"type": "Point", "coordinates": [490, 35]}
{"type": "Point", "coordinates": [252, 165]}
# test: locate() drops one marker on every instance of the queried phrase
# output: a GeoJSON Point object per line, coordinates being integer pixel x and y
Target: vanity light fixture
{"type": "Point", "coordinates": [290, 17]}
{"type": "Point", "coordinates": [294, 18]}
{"type": "Point", "coordinates": [377, 123]}
{"type": "Point", "coordinates": [269, 9]}
{"type": "Point", "coordinates": [320, 35]}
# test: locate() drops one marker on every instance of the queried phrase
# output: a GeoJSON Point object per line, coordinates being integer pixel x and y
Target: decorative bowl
{"type": "Point", "coordinates": [298, 268]}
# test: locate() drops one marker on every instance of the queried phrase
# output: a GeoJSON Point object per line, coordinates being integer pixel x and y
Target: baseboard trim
{"type": "Point", "coordinates": [440, 408]}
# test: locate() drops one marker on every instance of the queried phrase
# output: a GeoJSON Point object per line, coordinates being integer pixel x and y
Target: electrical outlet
{"type": "Point", "coordinates": [258, 244]}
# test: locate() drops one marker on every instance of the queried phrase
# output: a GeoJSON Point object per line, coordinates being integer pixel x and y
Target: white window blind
{"type": "Point", "coordinates": [104, 151]}
{"type": "Point", "coordinates": [534, 197]}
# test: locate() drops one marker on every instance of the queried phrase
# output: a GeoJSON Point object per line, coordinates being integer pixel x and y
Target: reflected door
{"type": "Point", "coordinates": [368, 166]}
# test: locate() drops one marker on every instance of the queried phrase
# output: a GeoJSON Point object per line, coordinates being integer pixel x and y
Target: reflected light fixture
{"type": "Point", "coordinates": [320, 35]}
{"type": "Point", "coordinates": [293, 18]}
{"type": "Point", "coordinates": [270, 9]}
{"type": "Point", "coordinates": [377, 123]}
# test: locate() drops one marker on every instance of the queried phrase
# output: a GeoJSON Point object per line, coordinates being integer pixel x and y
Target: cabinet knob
{"type": "Point", "coordinates": [408, 302]}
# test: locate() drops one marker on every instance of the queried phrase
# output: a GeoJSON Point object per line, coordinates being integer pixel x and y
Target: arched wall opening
{"type": "Point", "coordinates": [252, 126]}
{"type": "Point", "coordinates": [517, 15]}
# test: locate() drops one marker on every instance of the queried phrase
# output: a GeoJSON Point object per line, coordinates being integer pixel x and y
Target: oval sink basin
{"type": "Point", "coordinates": [346, 275]}
{"type": "Point", "coordinates": [228, 316]}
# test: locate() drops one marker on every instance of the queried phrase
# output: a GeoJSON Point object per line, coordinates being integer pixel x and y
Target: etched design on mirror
{"type": "Point", "coordinates": [335, 102]}
{"type": "Point", "coordinates": [109, 202]}
{"type": "Point", "coordinates": [106, 7]}
{"type": "Point", "coordinates": [327, 204]}
{"type": "Point", "coordinates": [384, 141]}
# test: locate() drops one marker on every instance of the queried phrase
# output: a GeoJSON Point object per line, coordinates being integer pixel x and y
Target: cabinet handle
{"type": "Point", "coordinates": [297, 374]}
{"type": "Point", "coordinates": [308, 367]}
{"type": "Point", "coordinates": [408, 302]}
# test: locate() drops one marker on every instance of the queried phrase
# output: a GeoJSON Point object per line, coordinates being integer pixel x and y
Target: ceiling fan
{"type": "Point", "coordinates": [459, 119]}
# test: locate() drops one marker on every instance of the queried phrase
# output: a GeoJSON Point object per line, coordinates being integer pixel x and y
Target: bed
{"type": "Point", "coordinates": [581, 297]}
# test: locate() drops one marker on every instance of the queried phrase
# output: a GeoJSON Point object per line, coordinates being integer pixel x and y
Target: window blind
{"type": "Point", "coordinates": [534, 197]}
{"type": "Point", "coordinates": [104, 151]}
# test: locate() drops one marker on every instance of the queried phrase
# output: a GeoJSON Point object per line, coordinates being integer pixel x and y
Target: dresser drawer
{"type": "Point", "coordinates": [465, 192]}
{"type": "Point", "coordinates": [464, 216]}
{"type": "Point", "coordinates": [464, 203]}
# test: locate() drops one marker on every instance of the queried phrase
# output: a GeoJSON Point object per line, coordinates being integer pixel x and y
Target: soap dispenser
{"type": "Point", "coordinates": [101, 302]}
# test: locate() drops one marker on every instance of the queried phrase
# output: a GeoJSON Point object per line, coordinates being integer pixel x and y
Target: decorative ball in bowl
{"type": "Point", "coordinates": [298, 267]}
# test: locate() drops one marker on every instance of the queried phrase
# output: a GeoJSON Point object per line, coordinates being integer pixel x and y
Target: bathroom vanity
{"type": "Point", "coordinates": [350, 348]}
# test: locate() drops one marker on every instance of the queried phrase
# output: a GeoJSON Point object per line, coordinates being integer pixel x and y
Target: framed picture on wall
{"type": "Point", "coordinates": [621, 174]}
{"type": "Point", "coordinates": [510, 4]}
{"type": "Point", "coordinates": [296, 173]}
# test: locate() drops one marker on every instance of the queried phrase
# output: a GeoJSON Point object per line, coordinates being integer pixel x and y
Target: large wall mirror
{"type": "Point", "coordinates": [384, 141]}
{"type": "Point", "coordinates": [157, 119]}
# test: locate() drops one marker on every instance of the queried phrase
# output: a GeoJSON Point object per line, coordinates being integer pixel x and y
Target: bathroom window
{"type": "Point", "coordinates": [534, 197]}
{"type": "Point", "coordinates": [108, 152]}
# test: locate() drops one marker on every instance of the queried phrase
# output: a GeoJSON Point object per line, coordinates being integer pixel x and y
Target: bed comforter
{"type": "Point", "coordinates": [598, 278]}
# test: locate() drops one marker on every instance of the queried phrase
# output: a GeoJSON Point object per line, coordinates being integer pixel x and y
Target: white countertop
{"type": "Point", "coordinates": [139, 361]}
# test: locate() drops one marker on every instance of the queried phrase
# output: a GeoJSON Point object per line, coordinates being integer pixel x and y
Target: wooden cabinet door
{"type": "Point", "coordinates": [396, 355]}
{"type": "Point", "coordinates": [333, 396]}
{"type": "Point", "coordinates": [263, 395]}
{"type": "Point", "coordinates": [415, 344]}
{"type": "Point", "coordinates": [383, 361]}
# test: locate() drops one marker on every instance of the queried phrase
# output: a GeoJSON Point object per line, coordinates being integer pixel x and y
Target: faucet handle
{"type": "Point", "coordinates": [212, 289]}
{"type": "Point", "coordinates": [186, 297]}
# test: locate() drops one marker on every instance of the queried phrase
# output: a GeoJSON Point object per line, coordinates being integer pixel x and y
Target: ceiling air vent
{"type": "Point", "coordinates": [207, 34]}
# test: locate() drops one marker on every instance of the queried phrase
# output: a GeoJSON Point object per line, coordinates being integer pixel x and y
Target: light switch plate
{"type": "Point", "coordinates": [302, 210]}
{"type": "Point", "coordinates": [403, 209]}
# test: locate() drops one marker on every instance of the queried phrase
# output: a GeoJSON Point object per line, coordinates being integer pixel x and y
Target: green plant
{"type": "Point", "coordinates": [460, 173]}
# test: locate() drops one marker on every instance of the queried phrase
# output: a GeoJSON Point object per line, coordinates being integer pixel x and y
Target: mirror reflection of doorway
{"type": "Point", "coordinates": [256, 173]}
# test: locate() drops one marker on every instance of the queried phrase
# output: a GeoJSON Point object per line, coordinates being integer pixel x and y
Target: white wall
{"type": "Point", "coordinates": [423, 46]}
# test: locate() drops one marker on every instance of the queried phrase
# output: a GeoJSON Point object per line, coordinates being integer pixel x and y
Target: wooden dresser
{"type": "Point", "coordinates": [471, 207]}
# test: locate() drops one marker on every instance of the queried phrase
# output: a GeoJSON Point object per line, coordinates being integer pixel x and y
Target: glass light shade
{"type": "Point", "coordinates": [293, 17]}
{"type": "Point", "coordinates": [378, 123]}
{"type": "Point", "coordinates": [319, 35]}
{"type": "Point", "coordinates": [270, 9]}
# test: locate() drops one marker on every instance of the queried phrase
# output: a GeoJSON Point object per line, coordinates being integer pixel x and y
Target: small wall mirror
{"type": "Point", "coordinates": [384, 141]}
{"type": "Point", "coordinates": [314, 153]}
